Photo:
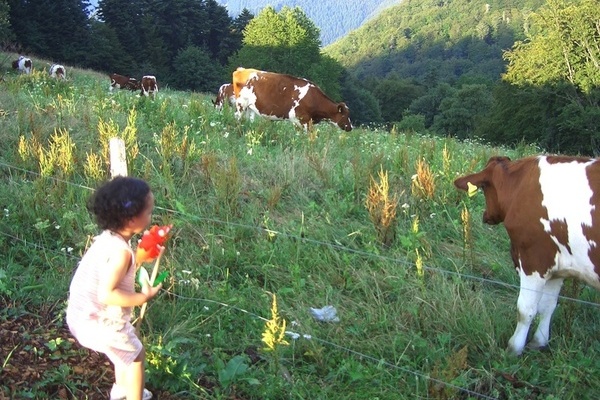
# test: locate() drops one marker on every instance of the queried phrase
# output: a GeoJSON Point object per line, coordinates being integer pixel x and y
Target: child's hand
{"type": "Point", "coordinates": [149, 290]}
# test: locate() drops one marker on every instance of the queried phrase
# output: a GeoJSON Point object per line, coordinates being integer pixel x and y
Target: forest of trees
{"type": "Point", "coordinates": [506, 72]}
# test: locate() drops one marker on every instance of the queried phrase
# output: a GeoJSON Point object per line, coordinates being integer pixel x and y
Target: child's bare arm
{"type": "Point", "coordinates": [110, 294]}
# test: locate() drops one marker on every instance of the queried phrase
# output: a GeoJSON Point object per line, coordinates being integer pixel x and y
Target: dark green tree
{"type": "Point", "coordinates": [6, 34]}
{"type": "Point", "coordinates": [195, 70]}
{"type": "Point", "coordinates": [461, 113]}
{"type": "Point", "coordinates": [218, 31]}
{"type": "Point", "coordinates": [108, 55]}
{"type": "Point", "coordinates": [57, 30]}
{"type": "Point", "coordinates": [285, 41]}
{"type": "Point", "coordinates": [395, 96]}
{"type": "Point", "coordinates": [125, 17]}
{"type": "Point", "coordinates": [364, 108]}
{"type": "Point", "coordinates": [558, 67]}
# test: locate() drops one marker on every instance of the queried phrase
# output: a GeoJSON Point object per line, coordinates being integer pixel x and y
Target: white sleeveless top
{"type": "Point", "coordinates": [83, 306]}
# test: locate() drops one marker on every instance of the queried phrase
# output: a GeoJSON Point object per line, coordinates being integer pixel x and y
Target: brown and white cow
{"type": "Point", "coordinates": [23, 64]}
{"type": "Point", "coordinates": [550, 207]}
{"type": "Point", "coordinates": [280, 96]}
{"type": "Point", "coordinates": [58, 71]}
{"type": "Point", "coordinates": [123, 82]}
{"type": "Point", "coordinates": [225, 96]}
{"type": "Point", "coordinates": [148, 86]}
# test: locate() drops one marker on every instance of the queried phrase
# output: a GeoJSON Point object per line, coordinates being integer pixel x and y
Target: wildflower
{"type": "Point", "coordinates": [419, 264]}
{"type": "Point", "coordinates": [274, 329]}
{"type": "Point", "coordinates": [292, 335]}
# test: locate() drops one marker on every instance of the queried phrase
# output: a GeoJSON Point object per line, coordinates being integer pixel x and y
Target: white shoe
{"type": "Point", "coordinates": [118, 393]}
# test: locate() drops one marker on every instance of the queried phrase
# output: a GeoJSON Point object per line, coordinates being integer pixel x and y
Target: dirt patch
{"type": "Point", "coordinates": [39, 356]}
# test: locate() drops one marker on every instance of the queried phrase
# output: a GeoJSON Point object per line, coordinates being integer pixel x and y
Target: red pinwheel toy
{"type": "Point", "coordinates": [151, 242]}
{"type": "Point", "coordinates": [149, 248]}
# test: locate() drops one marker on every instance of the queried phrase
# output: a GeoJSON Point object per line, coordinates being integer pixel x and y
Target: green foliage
{"type": "Point", "coordinates": [194, 70]}
{"type": "Point", "coordinates": [460, 114]}
{"type": "Point", "coordinates": [553, 97]}
{"type": "Point", "coordinates": [395, 96]}
{"type": "Point", "coordinates": [6, 34]}
{"type": "Point", "coordinates": [285, 41]}
{"type": "Point", "coordinates": [562, 47]}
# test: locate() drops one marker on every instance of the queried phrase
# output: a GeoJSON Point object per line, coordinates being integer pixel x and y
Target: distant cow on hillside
{"type": "Point", "coordinates": [280, 96]}
{"type": "Point", "coordinates": [123, 82]}
{"type": "Point", "coordinates": [149, 86]}
{"type": "Point", "coordinates": [225, 96]}
{"type": "Point", "coordinates": [57, 71]}
{"type": "Point", "coordinates": [23, 64]}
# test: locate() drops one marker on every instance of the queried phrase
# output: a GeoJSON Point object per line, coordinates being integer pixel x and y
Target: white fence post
{"type": "Point", "coordinates": [118, 158]}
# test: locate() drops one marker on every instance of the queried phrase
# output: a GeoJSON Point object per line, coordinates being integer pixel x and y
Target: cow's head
{"type": "Point", "coordinates": [489, 179]}
{"type": "Point", "coordinates": [342, 117]}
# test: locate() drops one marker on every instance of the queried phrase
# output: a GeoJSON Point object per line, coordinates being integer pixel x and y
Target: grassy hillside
{"type": "Point", "coordinates": [436, 41]}
{"type": "Point", "coordinates": [261, 209]}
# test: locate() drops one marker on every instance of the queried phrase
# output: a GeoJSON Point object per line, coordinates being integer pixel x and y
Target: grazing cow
{"type": "Point", "coordinates": [225, 96]}
{"type": "Point", "coordinates": [23, 64]}
{"type": "Point", "coordinates": [123, 82]}
{"type": "Point", "coordinates": [279, 96]}
{"type": "Point", "coordinates": [149, 86]}
{"type": "Point", "coordinates": [550, 208]}
{"type": "Point", "coordinates": [58, 71]}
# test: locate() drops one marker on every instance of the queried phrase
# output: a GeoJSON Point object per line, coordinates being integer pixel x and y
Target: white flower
{"type": "Point", "coordinates": [293, 335]}
{"type": "Point", "coordinates": [57, 227]}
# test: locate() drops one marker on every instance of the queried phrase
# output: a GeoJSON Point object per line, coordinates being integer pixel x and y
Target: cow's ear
{"type": "Point", "coordinates": [478, 180]}
{"type": "Point", "coordinates": [341, 107]}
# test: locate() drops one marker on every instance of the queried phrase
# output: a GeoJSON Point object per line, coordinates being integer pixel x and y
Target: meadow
{"type": "Point", "coordinates": [268, 222]}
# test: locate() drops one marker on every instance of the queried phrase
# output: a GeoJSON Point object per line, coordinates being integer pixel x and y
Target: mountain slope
{"type": "Point", "coordinates": [444, 40]}
{"type": "Point", "coordinates": [335, 18]}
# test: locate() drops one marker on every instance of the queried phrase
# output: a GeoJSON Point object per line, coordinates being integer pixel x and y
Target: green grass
{"type": "Point", "coordinates": [225, 185]}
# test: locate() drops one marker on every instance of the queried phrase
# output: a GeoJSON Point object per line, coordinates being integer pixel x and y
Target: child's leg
{"type": "Point", "coordinates": [131, 377]}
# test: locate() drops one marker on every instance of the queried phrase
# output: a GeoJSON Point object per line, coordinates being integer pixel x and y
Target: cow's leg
{"type": "Point", "coordinates": [546, 307]}
{"type": "Point", "coordinates": [527, 305]}
{"type": "Point", "coordinates": [239, 109]}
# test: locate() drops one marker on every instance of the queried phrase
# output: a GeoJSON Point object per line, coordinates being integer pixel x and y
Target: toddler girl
{"type": "Point", "coordinates": [102, 293]}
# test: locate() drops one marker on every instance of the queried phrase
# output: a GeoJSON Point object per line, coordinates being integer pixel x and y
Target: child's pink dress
{"type": "Point", "coordinates": [97, 326]}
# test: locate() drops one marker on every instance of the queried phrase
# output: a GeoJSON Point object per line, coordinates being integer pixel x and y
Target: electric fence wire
{"type": "Point", "coordinates": [335, 246]}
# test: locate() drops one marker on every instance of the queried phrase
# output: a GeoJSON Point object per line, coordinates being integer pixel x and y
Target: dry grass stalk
{"type": "Point", "coordinates": [465, 217]}
{"type": "Point", "coordinates": [382, 208]}
{"type": "Point", "coordinates": [423, 182]}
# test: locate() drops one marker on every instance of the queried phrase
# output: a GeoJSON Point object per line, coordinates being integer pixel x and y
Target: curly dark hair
{"type": "Point", "coordinates": [117, 201]}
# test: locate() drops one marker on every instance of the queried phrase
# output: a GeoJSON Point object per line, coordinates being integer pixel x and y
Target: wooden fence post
{"type": "Point", "coordinates": [118, 157]}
